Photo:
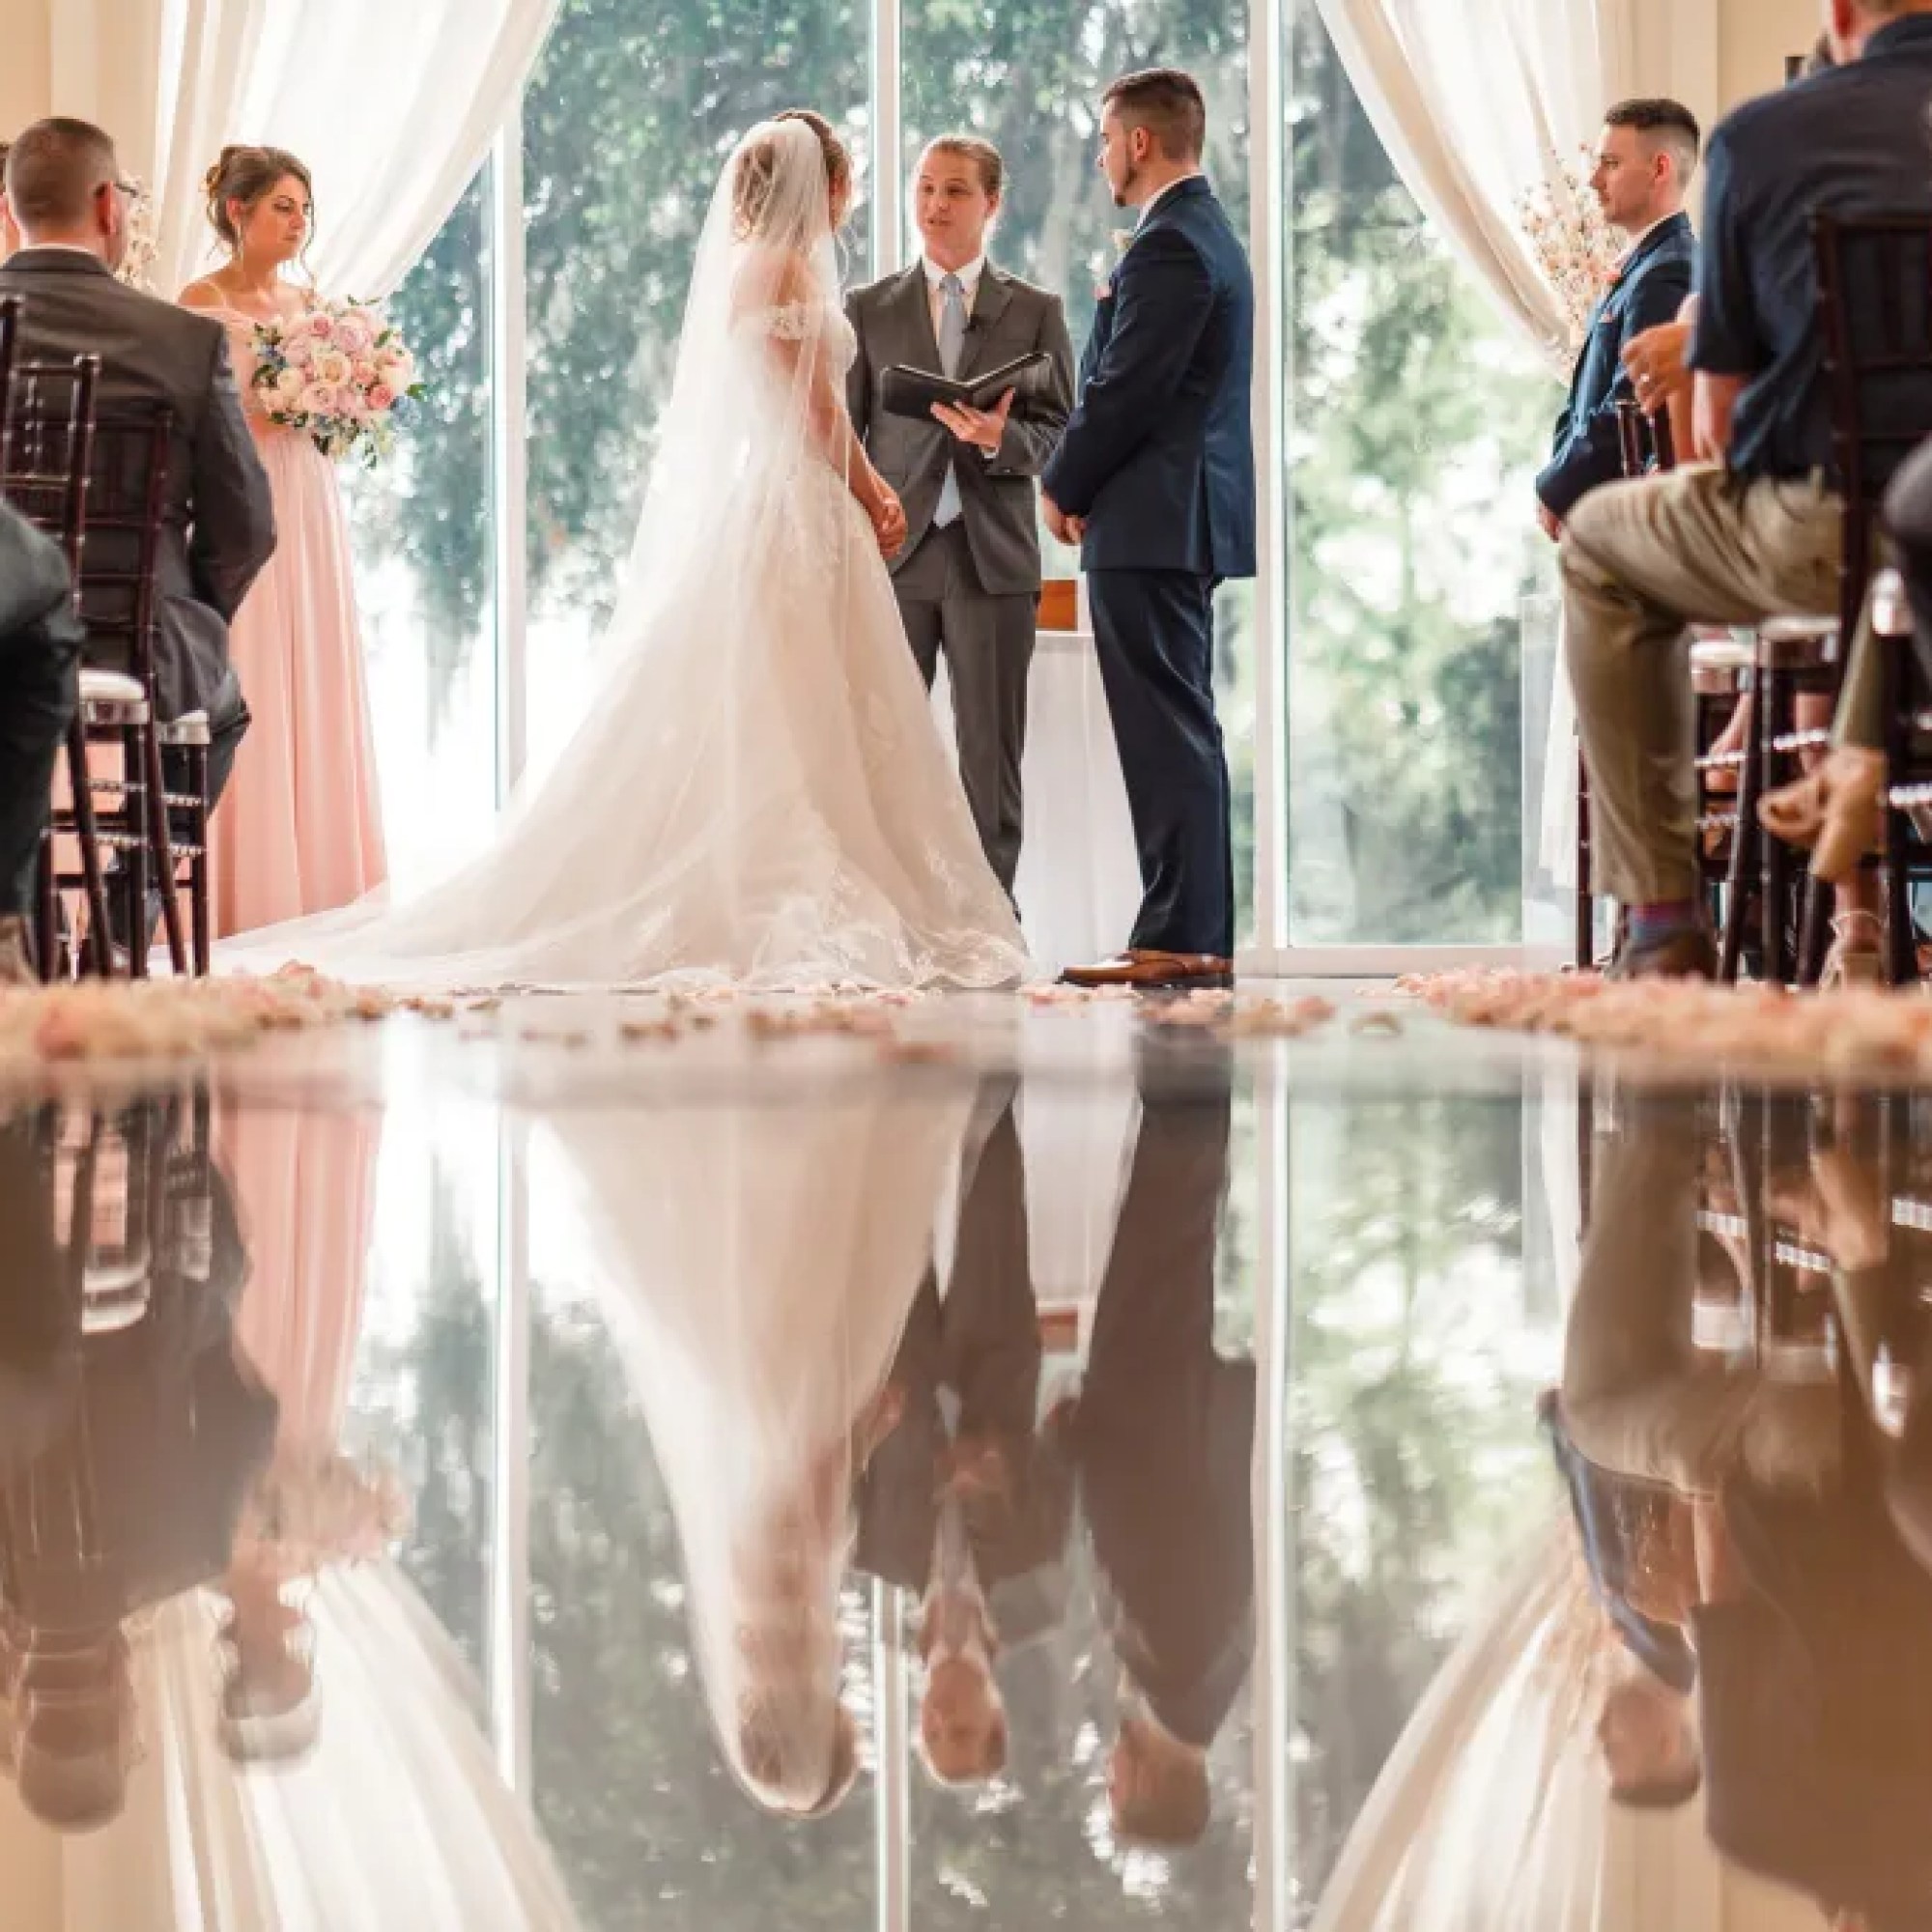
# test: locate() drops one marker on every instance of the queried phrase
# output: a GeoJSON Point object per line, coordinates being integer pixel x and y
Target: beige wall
{"type": "Point", "coordinates": [1753, 37]}
{"type": "Point", "coordinates": [94, 58]}
{"type": "Point", "coordinates": [25, 55]}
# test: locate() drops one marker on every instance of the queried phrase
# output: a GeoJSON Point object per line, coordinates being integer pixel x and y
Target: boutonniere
{"type": "Point", "coordinates": [1122, 240]}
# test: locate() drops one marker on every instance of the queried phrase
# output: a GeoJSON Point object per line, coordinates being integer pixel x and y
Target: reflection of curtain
{"type": "Point", "coordinates": [1470, 100]}
{"type": "Point", "coordinates": [1492, 1813]}
{"type": "Point", "coordinates": [392, 107]}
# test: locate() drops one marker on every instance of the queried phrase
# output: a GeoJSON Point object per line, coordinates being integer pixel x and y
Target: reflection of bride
{"type": "Point", "coordinates": [755, 1291]}
{"type": "Point", "coordinates": [1493, 1813]}
{"type": "Point", "coordinates": [760, 794]}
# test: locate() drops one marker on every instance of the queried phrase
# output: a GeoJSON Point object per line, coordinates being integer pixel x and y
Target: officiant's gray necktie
{"type": "Point", "coordinates": [951, 348]}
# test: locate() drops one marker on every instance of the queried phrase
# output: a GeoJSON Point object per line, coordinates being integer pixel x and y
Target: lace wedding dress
{"type": "Point", "coordinates": [759, 795]}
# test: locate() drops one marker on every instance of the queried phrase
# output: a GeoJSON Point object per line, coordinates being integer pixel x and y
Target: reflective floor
{"type": "Point", "coordinates": [965, 1467]}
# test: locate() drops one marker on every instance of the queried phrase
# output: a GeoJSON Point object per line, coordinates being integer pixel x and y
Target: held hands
{"type": "Point", "coordinates": [889, 520]}
{"type": "Point", "coordinates": [1064, 529]}
{"type": "Point", "coordinates": [983, 429]}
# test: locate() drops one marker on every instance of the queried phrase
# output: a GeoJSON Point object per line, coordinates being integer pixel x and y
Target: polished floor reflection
{"type": "Point", "coordinates": [1045, 1467]}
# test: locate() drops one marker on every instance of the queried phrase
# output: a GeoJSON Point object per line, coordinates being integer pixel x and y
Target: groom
{"type": "Point", "coordinates": [968, 578]}
{"type": "Point", "coordinates": [1155, 480]}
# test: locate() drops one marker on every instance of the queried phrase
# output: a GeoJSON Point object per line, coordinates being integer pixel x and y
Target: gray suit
{"type": "Point", "coordinates": [220, 526]}
{"type": "Point", "coordinates": [972, 590]}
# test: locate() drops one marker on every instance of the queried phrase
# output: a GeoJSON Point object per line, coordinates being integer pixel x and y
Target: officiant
{"type": "Point", "coordinates": [968, 578]}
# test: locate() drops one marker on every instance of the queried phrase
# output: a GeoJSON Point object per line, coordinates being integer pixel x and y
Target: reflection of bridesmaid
{"type": "Point", "coordinates": [304, 1188]}
{"type": "Point", "coordinates": [298, 830]}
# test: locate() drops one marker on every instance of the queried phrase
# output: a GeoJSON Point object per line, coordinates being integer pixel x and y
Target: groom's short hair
{"type": "Point", "coordinates": [53, 170]}
{"type": "Point", "coordinates": [1167, 102]}
{"type": "Point", "coordinates": [1665, 124]}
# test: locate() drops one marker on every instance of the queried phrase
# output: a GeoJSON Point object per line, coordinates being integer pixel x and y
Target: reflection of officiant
{"type": "Point", "coordinates": [1163, 1441]}
{"type": "Point", "coordinates": [968, 578]}
{"type": "Point", "coordinates": [962, 1505]}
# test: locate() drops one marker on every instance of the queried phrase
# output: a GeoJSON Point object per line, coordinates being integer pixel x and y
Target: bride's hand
{"type": "Point", "coordinates": [889, 521]}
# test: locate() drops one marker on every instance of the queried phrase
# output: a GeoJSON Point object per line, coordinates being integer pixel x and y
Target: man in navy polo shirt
{"type": "Point", "coordinates": [1760, 532]}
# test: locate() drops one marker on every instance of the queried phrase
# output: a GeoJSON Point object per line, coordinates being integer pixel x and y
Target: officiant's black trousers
{"type": "Point", "coordinates": [988, 644]}
{"type": "Point", "coordinates": [1154, 635]}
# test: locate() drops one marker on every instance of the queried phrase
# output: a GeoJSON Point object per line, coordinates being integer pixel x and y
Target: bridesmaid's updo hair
{"type": "Point", "coordinates": [757, 166]}
{"type": "Point", "coordinates": [248, 175]}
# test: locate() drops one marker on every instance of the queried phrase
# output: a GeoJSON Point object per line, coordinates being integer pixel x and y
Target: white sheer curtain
{"type": "Point", "coordinates": [1471, 100]}
{"type": "Point", "coordinates": [392, 106]}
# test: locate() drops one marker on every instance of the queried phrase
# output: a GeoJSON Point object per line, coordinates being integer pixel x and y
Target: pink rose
{"type": "Point", "coordinates": [319, 398]}
{"type": "Point", "coordinates": [354, 333]}
{"type": "Point", "coordinates": [364, 374]}
{"type": "Point", "coordinates": [322, 327]}
{"type": "Point", "coordinates": [381, 398]}
{"type": "Point", "coordinates": [299, 352]}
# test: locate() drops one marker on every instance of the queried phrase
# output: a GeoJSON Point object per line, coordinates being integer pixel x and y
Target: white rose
{"type": "Point", "coordinates": [331, 366]}
{"type": "Point", "coordinates": [397, 368]}
{"type": "Point", "coordinates": [289, 384]}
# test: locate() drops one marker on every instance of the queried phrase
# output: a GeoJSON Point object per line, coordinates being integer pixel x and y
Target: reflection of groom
{"type": "Point", "coordinates": [968, 577]}
{"type": "Point", "coordinates": [1156, 477]}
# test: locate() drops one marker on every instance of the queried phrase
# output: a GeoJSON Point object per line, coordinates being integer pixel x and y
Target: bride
{"type": "Point", "coordinates": [759, 796]}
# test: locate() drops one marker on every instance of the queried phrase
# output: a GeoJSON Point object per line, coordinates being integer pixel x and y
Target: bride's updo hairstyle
{"type": "Point", "coordinates": [248, 175]}
{"type": "Point", "coordinates": [757, 169]}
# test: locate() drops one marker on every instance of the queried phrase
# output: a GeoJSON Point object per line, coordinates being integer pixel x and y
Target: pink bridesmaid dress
{"type": "Point", "coordinates": [298, 829]}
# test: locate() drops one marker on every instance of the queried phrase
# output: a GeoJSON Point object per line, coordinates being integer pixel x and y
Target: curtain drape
{"type": "Point", "coordinates": [1472, 101]}
{"type": "Point", "coordinates": [392, 107]}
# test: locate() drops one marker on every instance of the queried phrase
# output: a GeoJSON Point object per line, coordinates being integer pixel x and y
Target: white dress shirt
{"type": "Point", "coordinates": [1159, 195]}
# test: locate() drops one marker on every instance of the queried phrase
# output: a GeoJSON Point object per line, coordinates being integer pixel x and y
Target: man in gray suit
{"type": "Point", "coordinates": [64, 189]}
{"type": "Point", "coordinates": [968, 578]}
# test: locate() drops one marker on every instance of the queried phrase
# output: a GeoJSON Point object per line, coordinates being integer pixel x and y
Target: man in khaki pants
{"type": "Point", "coordinates": [1760, 532]}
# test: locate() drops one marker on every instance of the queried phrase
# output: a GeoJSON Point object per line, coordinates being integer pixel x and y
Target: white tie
{"type": "Point", "coordinates": [951, 347]}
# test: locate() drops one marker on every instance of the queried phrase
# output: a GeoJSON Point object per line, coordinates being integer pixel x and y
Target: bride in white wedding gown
{"type": "Point", "coordinates": [759, 795]}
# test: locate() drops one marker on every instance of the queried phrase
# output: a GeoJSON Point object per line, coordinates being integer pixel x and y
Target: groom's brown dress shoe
{"type": "Point", "coordinates": [1152, 970]}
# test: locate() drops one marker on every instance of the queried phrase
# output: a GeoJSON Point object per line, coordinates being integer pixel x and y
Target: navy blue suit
{"type": "Point", "coordinates": [1654, 286]}
{"type": "Point", "coordinates": [1158, 458]}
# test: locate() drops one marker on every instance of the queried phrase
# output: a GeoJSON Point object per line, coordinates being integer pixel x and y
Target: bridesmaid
{"type": "Point", "coordinates": [300, 830]}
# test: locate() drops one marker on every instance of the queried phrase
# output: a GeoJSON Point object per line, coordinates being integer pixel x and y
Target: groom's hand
{"type": "Point", "coordinates": [983, 429]}
{"type": "Point", "coordinates": [1064, 529]}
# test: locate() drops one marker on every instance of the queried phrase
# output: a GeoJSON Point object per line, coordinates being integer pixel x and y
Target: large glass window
{"type": "Point", "coordinates": [421, 532]}
{"type": "Point", "coordinates": [1413, 426]}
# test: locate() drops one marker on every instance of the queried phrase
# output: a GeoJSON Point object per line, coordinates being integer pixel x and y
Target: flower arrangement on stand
{"type": "Point", "coordinates": [1576, 251]}
{"type": "Point", "coordinates": [137, 268]}
{"type": "Point", "coordinates": [339, 372]}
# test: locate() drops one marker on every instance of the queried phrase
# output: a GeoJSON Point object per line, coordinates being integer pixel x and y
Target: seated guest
{"type": "Point", "coordinates": [1761, 532]}
{"type": "Point", "coordinates": [68, 195]}
{"type": "Point", "coordinates": [1645, 159]}
{"type": "Point", "coordinates": [40, 650]}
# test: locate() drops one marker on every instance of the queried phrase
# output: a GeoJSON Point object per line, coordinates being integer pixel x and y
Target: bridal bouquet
{"type": "Point", "coordinates": [338, 373]}
{"type": "Point", "coordinates": [1578, 250]}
